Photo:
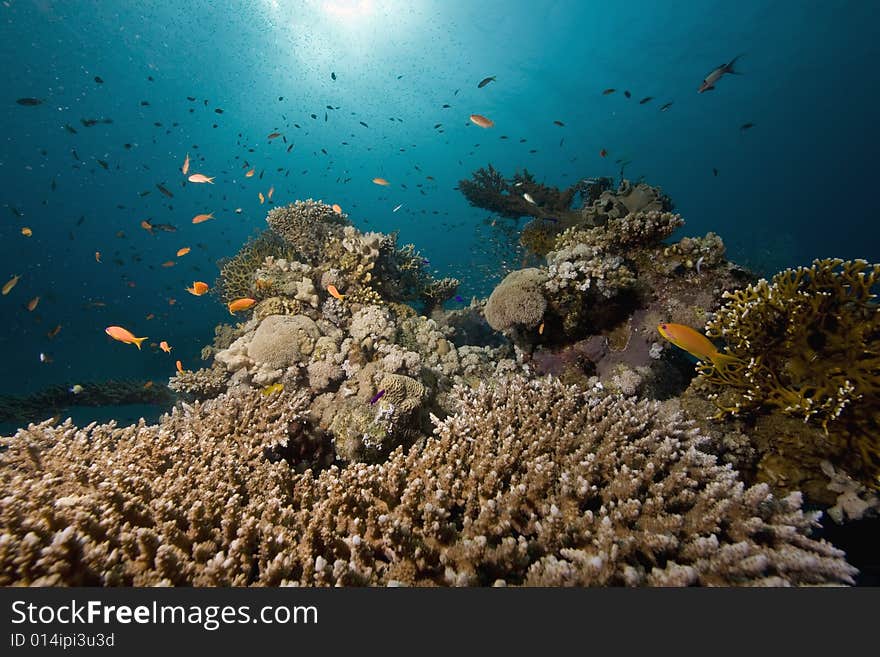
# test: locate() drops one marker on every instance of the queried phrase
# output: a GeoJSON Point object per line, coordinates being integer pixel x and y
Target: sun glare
{"type": "Point", "coordinates": [348, 9]}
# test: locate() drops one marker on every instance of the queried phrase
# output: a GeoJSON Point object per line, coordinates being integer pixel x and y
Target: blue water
{"type": "Point", "coordinates": [794, 187]}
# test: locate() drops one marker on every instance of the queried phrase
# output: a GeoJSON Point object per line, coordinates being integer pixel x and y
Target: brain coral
{"type": "Point", "coordinates": [517, 300]}
{"type": "Point", "coordinates": [282, 340]}
{"type": "Point", "coordinates": [528, 483]}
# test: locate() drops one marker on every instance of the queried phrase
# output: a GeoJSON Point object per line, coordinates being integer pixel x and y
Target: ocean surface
{"type": "Point", "coordinates": [121, 92]}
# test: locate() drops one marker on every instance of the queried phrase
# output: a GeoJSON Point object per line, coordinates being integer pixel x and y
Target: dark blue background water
{"type": "Point", "coordinates": [794, 187]}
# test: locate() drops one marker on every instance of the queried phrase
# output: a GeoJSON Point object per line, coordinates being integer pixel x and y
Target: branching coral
{"type": "Point", "coordinates": [401, 275]}
{"type": "Point", "coordinates": [196, 499]}
{"type": "Point", "coordinates": [807, 344]}
{"type": "Point", "coordinates": [202, 383]}
{"type": "Point", "coordinates": [529, 483]}
{"type": "Point", "coordinates": [488, 189]}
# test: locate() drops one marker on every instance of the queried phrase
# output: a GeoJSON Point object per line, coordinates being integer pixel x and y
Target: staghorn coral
{"type": "Point", "coordinates": [577, 489]}
{"type": "Point", "coordinates": [306, 227]}
{"type": "Point", "coordinates": [807, 344]}
{"type": "Point", "coordinates": [197, 499]}
{"type": "Point", "coordinates": [517, 301]}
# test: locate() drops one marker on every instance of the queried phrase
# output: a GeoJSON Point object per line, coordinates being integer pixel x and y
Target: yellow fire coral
{"type": "Point", "coordinates": [809, 342]}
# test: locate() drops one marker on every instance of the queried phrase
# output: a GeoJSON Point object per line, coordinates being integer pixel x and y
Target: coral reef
{"type": "Point", "coordinates": [188, 501]}
{"type": "Point", "coordinates": [530, 482]}
{"type": "Point", "coordinates": [350, 430]}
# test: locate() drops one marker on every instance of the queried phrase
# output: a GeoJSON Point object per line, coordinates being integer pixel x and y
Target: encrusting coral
{"type": "Point", "coordinates": [529, 482]}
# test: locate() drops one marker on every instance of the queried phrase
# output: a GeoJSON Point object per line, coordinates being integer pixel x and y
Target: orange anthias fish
{"type": "Point", "coordinates": [199, 218]}
{"type": "Point", "coordinates": [147, 226]}
{"type": "Point", "coordinates": [55, 331]}
{"type": "Point", "coordinates": [337, 209]}
{"type": "Point", "coordinates": [123, 335]}
{"type": "Point", "coordinates": [381, 181]}
{"type": "Point", "coordinates": [200, 178]}
{"type": "Point", "coordinates": [27, 232]}
{"type": "Point", "coordinates": [198, 288]}
{"type": "Point", "coordinates": [271, 191]}
{"type": "Point", "coordinates": [164, 347]}
{"type": "Point", "coordinates": [168, 263]}
{"type": "Point", "coordinates": [183, 251]}
{"type": "Point", "coordinates": [179, 366]}
{"type": "Point", "coordinates": [695, 343]}
{"type": "Point", "coordinates": [603, 153]}
{"type": "Point", "coordinates": [240, 304]}
{"type": "Point", "coordinates": [482, 121]}
{"type": "Point", "coordinates": [250, 174]}
{"type": "Point", "coordinates": [11, 283]}
{"type": "Point", "coordinates": [32, 304]}
{"type": "Point", "coordinates": [335, 293]}
{"type": "Point", "coordinates": [274, 135]}
{"type": "Point", "coordinates": [185, 168]}
{"type": "Point", "coordinates": [262, 198]}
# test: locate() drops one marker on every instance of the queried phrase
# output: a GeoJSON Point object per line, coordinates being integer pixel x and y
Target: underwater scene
{"type": "Point", "coordinates": [439, 293]}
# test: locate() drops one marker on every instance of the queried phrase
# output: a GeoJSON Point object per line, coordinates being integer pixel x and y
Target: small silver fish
{"type": "Point", "coordinates": [529, 198]}
{"type": "Point", "coordinates": [709, 82]}
{"type": "Point", "coordinates": [396, 208]}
